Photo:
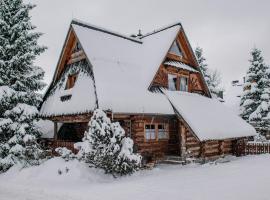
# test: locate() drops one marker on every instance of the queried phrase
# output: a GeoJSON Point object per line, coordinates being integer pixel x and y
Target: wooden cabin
{"type": "Point", "coordinates": [150, 83]}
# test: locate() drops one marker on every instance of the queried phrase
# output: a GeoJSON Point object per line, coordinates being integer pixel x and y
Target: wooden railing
{"type": "Point", "coordinates": [252, 148]}
{"type": "Point", "coordinates": [62, 143]}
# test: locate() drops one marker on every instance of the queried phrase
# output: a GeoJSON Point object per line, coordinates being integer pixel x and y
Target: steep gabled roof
{"type": "Point", "coordinates": [123, 67]}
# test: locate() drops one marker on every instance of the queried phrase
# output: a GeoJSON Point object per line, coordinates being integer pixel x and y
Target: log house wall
{"type": "Point", "coordinates": [156, 148]}
{"type": "Point", "coordinates": [161, 78]}
{"type": "Point", "coordinates": [189, 146]}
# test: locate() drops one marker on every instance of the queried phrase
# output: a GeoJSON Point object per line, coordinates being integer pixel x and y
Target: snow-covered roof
{"type": "Point", "coordinates": [82, 98]}
{"type": "Point", "coordinates": [180, 65]}
{"type": "Point", "coordinates": [208, 118]}
{"type": "Point", "coordinates": [123, 69]}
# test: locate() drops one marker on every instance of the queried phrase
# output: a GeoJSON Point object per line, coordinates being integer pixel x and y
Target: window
{"type": "Point", "coordinates": [162, 134]}
{"type": "Point", "coordinates": [183, 84]}
{"type": "Point", "coordinates": [150, 132]}
{"type": "Point", "coordinates": [77, 47]}
{"type": "Point", "coordinates": [71, 81]}
{"type": "Point", "coordinates": [172, 82]}
{"type": "Point", "coordinates": [175, 49]}
{"type": "Point", "coordinates": [155, 131]}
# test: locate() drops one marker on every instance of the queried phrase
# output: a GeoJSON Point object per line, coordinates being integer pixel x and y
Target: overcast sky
{"type": "Point", "coordinates": [226, 30]}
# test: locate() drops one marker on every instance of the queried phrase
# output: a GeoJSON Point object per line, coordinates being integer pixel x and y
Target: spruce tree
{"type": "Point", "coordinates": [105, 146]}
{"type": "Point", "coordinates": [212, 78]}
{"type": "Point", "coordinates": [20, 81]}
{"type": "Point", "coordinates": [255, 99]}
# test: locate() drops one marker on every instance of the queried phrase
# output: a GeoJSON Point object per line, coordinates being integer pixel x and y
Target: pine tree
{"type": "Point", "coordinates": [255, 99]}
{"type": "Point", "coordinates": [20, 81]}
{"type": "Point", "coordinates": [212, 78]}
{"type": "Point", "coordinates": [105, 146]}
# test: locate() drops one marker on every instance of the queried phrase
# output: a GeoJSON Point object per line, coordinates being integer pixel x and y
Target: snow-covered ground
{"type": "Point", "coordinates": [242, 178]}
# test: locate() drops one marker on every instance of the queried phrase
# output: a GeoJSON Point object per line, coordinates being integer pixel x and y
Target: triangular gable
{"type": "Point", "coordinates": [72, 78]}
{"type": "Point", "coordinates": [180, 51]}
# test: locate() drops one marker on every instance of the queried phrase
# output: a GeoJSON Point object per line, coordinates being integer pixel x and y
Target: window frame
{"type": "Point", "coordinates": [157, 138]}
{"type": "Point", "coordinates": [178, 81]}
{"type": "Point", "coordinates": [166, 131]}
{"type": "Point", "coordinates": [187, 83]}
{"type": "Point", "coordinates": [179, 49]}
{"type": "Point", "coordinates": [175, 84]}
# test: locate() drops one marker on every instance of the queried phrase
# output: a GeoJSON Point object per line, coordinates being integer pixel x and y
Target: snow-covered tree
{"type": "Point", "coordinates": [105, 146]}
{"type": "Point", "coordinates": [20, 81]}
{"type": "Point", "coordinates": [255, 99]}
{"type": "Point", "coordinates": [212, 78]}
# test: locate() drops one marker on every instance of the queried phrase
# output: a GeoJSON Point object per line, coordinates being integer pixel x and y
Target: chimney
{"type": "Point", "coordinates": [140, 33]}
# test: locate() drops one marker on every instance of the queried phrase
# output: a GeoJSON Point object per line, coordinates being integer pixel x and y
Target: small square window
{"type": "Point", "coordinates": [150, 132]}
{"type": "Point", "coordinates": [162, 133]}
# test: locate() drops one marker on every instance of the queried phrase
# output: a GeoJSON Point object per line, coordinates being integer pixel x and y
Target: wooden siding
{"type": "Point", "coordinates": [156, 148]}
{"type": "Point", "coordinates": [161, 78]}
{"type": "Point", "coordinates": [196, 83]}
{"type": "Point", "coordinates": [181, 140]}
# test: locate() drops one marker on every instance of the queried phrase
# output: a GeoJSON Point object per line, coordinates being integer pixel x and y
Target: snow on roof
{"type": "Point", "coordinates": [208, 118]}
{"type": "Point", "coordinates": [123, 70]}
{"type": "Point", "coordinates": [97, 28]}
{"type": "Point", "coordinates": [82, 98]}
{"type": "Point", "coordinates": [180, 65]}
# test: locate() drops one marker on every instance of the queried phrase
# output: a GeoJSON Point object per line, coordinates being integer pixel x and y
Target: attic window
{"type": "Point", "coordinates": [77, 47]}
{"type": "Point", "coordinates": [172, 82]}
{"type": "Point", "coordinates": [71, 81]}
{"type": "Point", "coordinates": [183, 83]}
{"type": "Point", "coordinates": [175, 49]}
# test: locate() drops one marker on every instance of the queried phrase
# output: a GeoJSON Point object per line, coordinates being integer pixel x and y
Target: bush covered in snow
{"type": "Point", "coordinates": [65, 153]}
{"type": "Point", "coordinates": [105, 146]}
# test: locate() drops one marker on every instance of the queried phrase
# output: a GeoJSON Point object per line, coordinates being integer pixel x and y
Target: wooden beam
{"type": "Point", "coordinates": [55, 130]}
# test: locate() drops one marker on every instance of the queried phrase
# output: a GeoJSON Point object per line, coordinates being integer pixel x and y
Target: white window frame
{"type": "Point", "coordinates": [171, 84]}
{"type": "Point", "coordinates": [150, 134]}
{"type": "Point", "coordinates": [186, 87]}
{"type": "Point", "coordinates": [162, 133]}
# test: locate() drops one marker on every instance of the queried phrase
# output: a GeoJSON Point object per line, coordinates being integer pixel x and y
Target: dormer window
{"type": "Point", "coordinates": [77, 47]}
{"type": "Point", "coordinates": [172, 82]}
{"type": "Point", "coordinates": [71, 81]}
{"type": "Point", "coordinates": [183, 84]}
{"type": "Point", "coordinates": [175, 49]}
{"type": "Point", "coordinates": [177, 82]}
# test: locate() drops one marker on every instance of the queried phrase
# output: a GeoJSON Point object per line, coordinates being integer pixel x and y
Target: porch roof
{"type": "Point", "coordinates": [208, 118]}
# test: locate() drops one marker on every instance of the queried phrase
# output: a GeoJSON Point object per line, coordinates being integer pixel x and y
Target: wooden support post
{"type": "Point", "coordinates": [182, 140]}
{"type": "Point", "coordinates": [55, 130]}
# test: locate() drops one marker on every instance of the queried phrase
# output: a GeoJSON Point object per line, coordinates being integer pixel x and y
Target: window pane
{"type": "Point", "coordinates": [150, 132]}
{"type": "Point", "coordinates": [162, 131]}
{"type": "Point", "coordinates": [184, 84]}
{"type": "Point", "coordinates": [175, 49]}
{"type": "Point", "coordinates": [172, 82]}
